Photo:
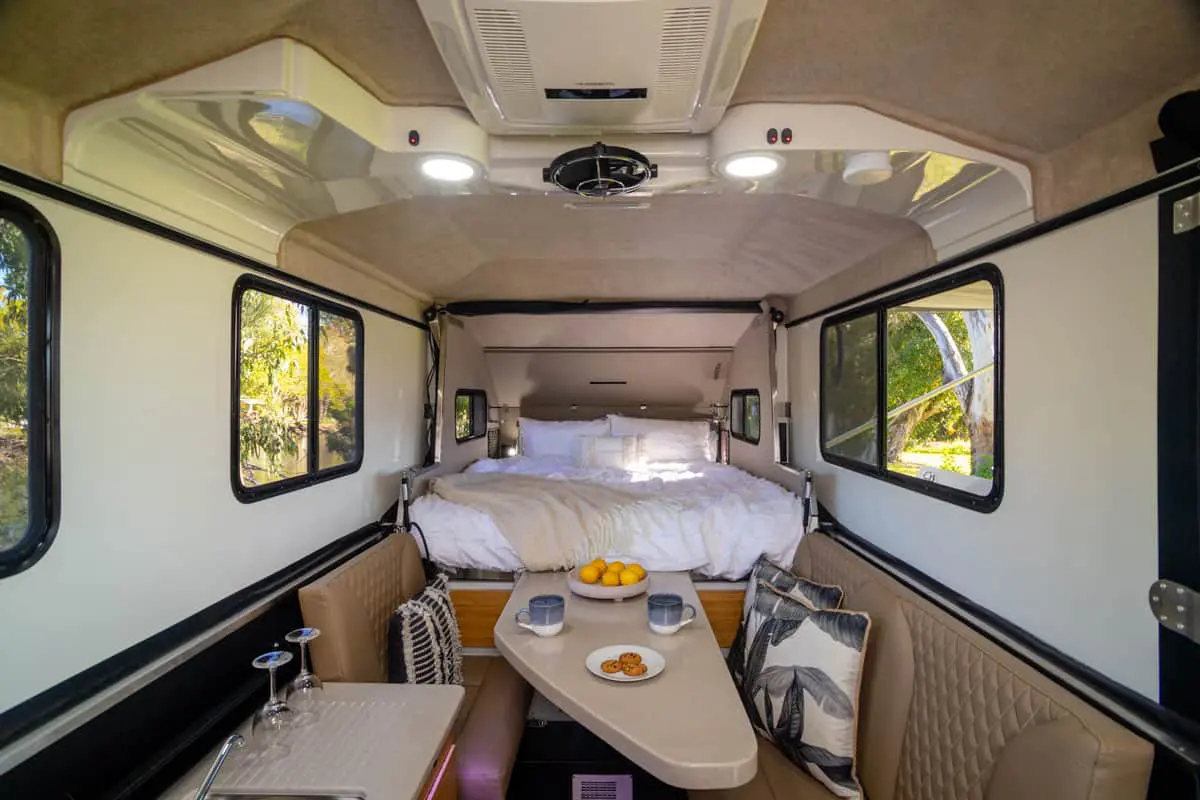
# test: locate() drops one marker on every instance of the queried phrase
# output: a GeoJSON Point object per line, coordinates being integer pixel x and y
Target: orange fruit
{"type": "Point", "coordinates": [589, 574]}
{"type": "Point", "coordinates": [610, 579]}
{"type": "Point", "coordinates": [641, 572]}
{"type": "Point", "coordinates": [600, 564]}
{"type": "Point", "coordinates": [628, 577]}
{"type": "Point", "coordinates": [616, 566]}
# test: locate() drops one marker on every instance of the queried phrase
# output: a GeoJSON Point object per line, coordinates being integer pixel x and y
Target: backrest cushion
{"type": "Point", "coordinates": [815, 594]}
{"type": "Point", "coordinates": [352, 604]}
{"type": "Point", "coordinates": [801, 683]}
{"type": "Point", "coordinates": [424, 643]}
{"type": "Point", "coordinates": [980, 723]}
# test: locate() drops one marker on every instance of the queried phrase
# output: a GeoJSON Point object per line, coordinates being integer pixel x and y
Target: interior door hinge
{"type": "Point", "coordinates": [1186, 214]}
{"type": "Point", "coordinates": [1176, 607]}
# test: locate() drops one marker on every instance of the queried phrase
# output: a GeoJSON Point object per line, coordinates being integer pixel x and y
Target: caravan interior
{"type": "Point", "coordinates": [721, 399]}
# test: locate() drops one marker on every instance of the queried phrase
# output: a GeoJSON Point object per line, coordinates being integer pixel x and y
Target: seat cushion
{"type": "Point", "coordinates": [777, 779]}
{"type": "Point", "coordinates": [491, 731]}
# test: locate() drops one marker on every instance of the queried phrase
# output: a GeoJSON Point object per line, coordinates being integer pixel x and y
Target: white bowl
{"type": "Point", "coordinates": [596, 591]}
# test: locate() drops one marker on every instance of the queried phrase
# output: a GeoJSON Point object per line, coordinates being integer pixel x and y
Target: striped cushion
{"type": "Point", "coordinates": [424, 645]}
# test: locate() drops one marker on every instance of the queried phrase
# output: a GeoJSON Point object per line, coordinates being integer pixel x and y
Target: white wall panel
{"type": "Point", "coordinates": [150, 531]}
{"type": "Point", "coordinates": [1072, 548]}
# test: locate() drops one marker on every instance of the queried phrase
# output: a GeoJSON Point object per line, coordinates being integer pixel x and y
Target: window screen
{"type": "Point", "coordinates": [298, 386]}
{"type": "Point", "coordinates": [935, 421]}
{"type": "Point", "coordinates": [28, 299]}
{"type": "Point", "coordinates": [745, 415]}
{"type": "Point", "coordinates": [470, 414]}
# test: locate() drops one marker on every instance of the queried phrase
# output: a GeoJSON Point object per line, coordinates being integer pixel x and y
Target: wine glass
{"type": "Point", "coordinates": [275, 716]}
{"type": "Point", "coordinates": [306, 689]}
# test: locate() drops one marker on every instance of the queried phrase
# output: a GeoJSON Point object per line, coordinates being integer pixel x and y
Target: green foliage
{"type": "Point", "coordinates": [986, 466]}
{"type": "Point", "coordinates": [914, 367]}
{"type": "Point", "coordinates": [462, 416]}
{"type": "Point", "coordinates": [14, 383]}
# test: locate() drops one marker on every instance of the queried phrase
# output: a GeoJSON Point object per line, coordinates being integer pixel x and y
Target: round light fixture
{"type": "Point", "coordinates": [751, 165]}
{"type": "Point", "coordinates": [450, 169]}
{"type": "Point", "coordinates": [866, 169]}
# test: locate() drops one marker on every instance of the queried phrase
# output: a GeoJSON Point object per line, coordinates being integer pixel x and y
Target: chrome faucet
{"type": "Point", "coordinates": [236, 740]}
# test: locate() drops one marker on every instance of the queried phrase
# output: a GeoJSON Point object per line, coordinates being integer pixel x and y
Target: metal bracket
{"type": "Point", "coordinates": [1186, 214]}
{"type": "Point", "coordinates": [1176, 607]}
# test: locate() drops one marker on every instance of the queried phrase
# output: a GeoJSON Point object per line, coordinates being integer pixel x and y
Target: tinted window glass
{"type": "Point", "coordinates": [848, 390]}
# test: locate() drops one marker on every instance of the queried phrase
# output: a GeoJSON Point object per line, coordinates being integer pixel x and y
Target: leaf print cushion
{"type": "Point", "coordinates": [800, 683]}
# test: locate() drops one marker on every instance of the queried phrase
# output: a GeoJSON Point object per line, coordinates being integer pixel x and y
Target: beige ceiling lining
{"type": "Point", "coordinates": [701, 247]}
{"type": "Point", "coordinates": [614, 331]}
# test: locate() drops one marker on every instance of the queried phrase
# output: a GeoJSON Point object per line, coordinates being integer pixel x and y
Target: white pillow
{"type": "Point", "coordinates": [668, 439]}
{"type": "Point", "coordinates": [541, 439]}
{"type": "Point", "coordinates": [614, 452]}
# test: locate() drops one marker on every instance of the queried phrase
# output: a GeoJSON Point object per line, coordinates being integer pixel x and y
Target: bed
{"type": "Point", "coordinates": [684, 514]}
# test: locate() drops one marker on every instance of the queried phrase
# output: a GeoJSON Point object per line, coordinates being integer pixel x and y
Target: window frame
{"type": "Point", "coordinates": [475, 395]}
{"type": "Point", "coordinates": [42, 379]}
{"type": "Point", "coordinates": [250, 494]}
{"type": "Point", "coordinates": [743, 394]}
{"type": "Point", "coordinates": [982, 503]}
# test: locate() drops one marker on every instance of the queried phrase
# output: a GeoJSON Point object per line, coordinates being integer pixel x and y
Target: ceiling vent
{"type": "Point", "coordinates": [590, 66]}
{"type": "Point", "coordinates": [601, 170]}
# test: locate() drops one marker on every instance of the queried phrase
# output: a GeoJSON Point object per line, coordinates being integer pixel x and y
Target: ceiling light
{"type": "Point", "coordinates": [866, 169]}
{"type": "Point", "coordinates": [448, 168]}
{"type": "Point", "coordinates": [751, 165]}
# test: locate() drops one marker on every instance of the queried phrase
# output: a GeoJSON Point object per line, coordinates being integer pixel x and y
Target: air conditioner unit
{"type": "Point", "coordinates": [594, 66]}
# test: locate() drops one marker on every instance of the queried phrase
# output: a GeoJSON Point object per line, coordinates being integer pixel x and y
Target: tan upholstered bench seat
{"type": "Point", "coordinates": [351, 605]}
{"type": "Point", "coordinates": [947, 713]}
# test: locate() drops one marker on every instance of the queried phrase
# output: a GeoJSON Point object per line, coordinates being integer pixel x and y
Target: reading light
{"type": "Point", "coordinates": [510, 451]}
{"type": "Point", "coordinates": [751, 165]}
{"type": "Point", "coordinates": [867, 169]}
{"type": "Point", "coordinates": [450, 169]}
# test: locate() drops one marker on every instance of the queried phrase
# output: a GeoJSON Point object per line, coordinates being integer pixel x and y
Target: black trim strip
{"type": "Point", "coordinates": [1159, 183]}
{"type": "Point", "coordinates": [1184, 733]}
{"type": "Point", "coordinates": [485, 308]}
{"type": "Point", "coordinates": [28, 715]}
{"type": "Point", "coordinates": [62, 194]}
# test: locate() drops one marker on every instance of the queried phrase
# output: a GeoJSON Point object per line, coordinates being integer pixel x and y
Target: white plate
{"type": "Point", "coordinates": [651, 658]}
{"type": "Point", "coordinates": [598, 592]}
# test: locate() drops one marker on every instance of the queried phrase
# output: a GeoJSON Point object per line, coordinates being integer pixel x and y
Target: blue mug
{"type": "Point", "coordinates": [668, 613]}
{"type": "Point", "coordinates": [545, 613]}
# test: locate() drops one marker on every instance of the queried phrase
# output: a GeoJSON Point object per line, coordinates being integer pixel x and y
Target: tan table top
{"type": "Point", "coordinates": [687, 727]}
{"type": "Point", "coordinates": [374, 740]}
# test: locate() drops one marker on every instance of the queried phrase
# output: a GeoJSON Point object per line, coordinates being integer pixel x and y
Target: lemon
{"type": "Point", "coordinates": [610, 579]}
{"type": "Point", "coordinates": [600, 564]}
{"type": "Point", "coordinates": [641, 572]}
{"type": "Point", "coordinates": [616, 566]}
{"type": "Point", "coordinates": [628, 577]}
{"type": "Point", "coordinates": [589, 574]}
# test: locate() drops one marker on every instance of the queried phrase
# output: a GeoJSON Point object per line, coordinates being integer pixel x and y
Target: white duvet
{"type": "Point", "coordinates": [719, 522]}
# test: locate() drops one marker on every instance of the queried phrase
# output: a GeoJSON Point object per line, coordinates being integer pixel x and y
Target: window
{"type": "Point", "coordinates": [298, 387]}
{"type": "Point", "coordinates": [911, 388]}
{"type": "Point", "coordinates": [28, 317]}
{"type": "Point", "coordinates": [745, 415]}
{"type": "Point", "coordinates": [470, 414]}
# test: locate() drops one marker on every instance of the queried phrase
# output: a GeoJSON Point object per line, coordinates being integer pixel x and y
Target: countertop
{"type": "Point", "coordinates": [687, 727]}
{"type": "Point", "coordinates": [374, 740]}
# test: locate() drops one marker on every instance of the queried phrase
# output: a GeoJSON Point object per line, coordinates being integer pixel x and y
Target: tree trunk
{"type": "Point", "coordinates": [900, 428]}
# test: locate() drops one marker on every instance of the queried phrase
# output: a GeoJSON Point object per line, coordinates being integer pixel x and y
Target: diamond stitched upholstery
{"type": "Point", "coordinates": [968, 720]}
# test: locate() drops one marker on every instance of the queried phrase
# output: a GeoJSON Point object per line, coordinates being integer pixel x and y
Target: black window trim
{"type": "Point", "coordinates": [250, 494]}
{"type": "Point", "coordinates": [482, 397]}
{"type": "Point", "coordinates": [982, 503]}
{"type": "Point", "coordinates": [744, 393]}
{"type": "Point", "coordinates": [43, 432]}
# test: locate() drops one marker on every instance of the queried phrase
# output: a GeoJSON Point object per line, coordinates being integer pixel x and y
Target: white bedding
{"type": "Point", "coordinates": [722, 520]}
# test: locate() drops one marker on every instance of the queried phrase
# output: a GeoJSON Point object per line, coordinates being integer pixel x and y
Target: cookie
{"type": "Point", "coordinates": [634, 669]}
{"type": "Point", "coordinates": [629, 658]}
{"type": "Point", "coordinates": [611, 666]}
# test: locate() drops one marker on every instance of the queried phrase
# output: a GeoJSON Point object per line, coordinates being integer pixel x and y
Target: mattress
{"type": "Point", "coordinates": [724, 520]}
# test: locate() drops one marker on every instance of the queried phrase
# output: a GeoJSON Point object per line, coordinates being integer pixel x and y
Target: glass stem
{"type": "Point", "coordinates": [304, 658]}
{"type": "Point", "coordinates": [274, 699]}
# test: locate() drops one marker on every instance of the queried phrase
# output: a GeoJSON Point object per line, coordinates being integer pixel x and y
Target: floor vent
{"type": "Point", "coordinates": [601, 787]}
